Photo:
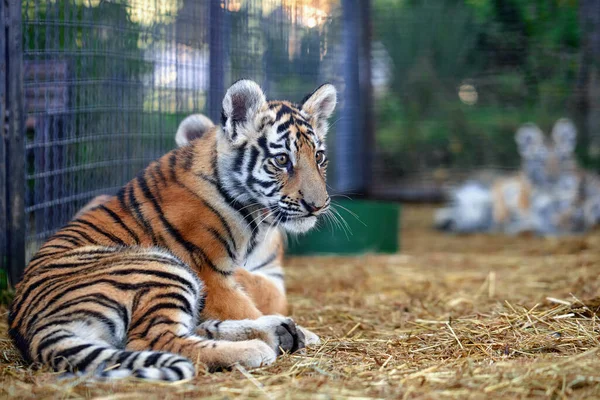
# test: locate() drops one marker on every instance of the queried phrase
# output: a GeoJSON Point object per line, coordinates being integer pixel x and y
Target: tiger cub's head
{"type": "Point", "coordinates": [271, 154]}
{"type": "Point", "coordinates": [548, 163]}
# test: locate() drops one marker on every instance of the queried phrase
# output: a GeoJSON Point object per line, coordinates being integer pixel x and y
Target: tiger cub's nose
{"type": "Point", "coordinates": [312, 207]}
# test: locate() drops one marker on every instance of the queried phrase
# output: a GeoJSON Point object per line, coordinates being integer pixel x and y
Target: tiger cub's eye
{"type": "Point", "coordinates": [282, 160]}
{"type": "Point", "coordinates": [320, 157]}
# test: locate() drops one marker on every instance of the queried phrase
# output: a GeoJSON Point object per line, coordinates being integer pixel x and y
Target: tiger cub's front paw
{"type": "Point", "coordinates": [281, 333]}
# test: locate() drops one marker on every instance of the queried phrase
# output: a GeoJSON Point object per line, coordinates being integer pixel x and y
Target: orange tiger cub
{"type": "Point", "coordinates": [262, 273]}
{"type": "Point", "coordinates": [145, 282]}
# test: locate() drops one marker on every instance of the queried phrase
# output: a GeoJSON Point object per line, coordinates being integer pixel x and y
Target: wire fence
{"type": "Point", "coordinates": [106, 83]}
{"type": "Point", "coordinates": [95, 89]}
{"type": "Point", "coordinates": [455, 79]}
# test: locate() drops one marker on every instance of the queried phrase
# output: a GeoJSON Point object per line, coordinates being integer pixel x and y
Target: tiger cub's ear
{"type": "Point", "coordinates": [564, 135]}
{"type": "Point", "coordinates": [242, 103]}
{"type": "Point", "coordinates": [191, 128]}
{"type": "Point", "coordinates": [319, 105]}
{"type": "Point", "coordinates": [530, 139]}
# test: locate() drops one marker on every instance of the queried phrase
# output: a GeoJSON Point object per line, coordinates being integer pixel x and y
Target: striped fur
{"type": "Point", "coordinates": [262, 275]}
{"type": "Point", "coordinates": [146, 282]}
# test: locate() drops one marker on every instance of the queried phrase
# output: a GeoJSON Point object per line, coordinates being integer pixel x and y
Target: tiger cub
{"type": "Point", "coordinates": [144, 284]}
{"type": "Point", "coordinates": [262, 275]}
{"type": "Point", "coordinates": [551, 195]}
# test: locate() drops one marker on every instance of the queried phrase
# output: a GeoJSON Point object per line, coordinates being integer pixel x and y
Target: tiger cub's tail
{"type": "Point", "coordinates": [64, 350]}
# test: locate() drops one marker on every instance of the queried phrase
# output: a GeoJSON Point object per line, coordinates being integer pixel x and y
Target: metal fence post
{"type": "Point", "coordinates": [15, 143]}
{"type": "Point", "coordinates": [348, 139]}
{"type": "Point", "coordinates": [216, 84]}
{"type": "Point", "coordinates": [366, 96]}
{"type": "Point", "coordinates": [3, 136]}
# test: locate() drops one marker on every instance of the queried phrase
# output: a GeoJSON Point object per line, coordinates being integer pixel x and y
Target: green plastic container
{"type": "Point", "coordinates": [375, 230]}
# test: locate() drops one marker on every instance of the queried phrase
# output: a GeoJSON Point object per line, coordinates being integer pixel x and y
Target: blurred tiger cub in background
{"type": "Point", "coordinates": [550, 195]}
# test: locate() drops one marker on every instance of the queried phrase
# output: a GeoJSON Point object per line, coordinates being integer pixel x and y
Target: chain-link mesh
{"type": "Point", "coordinates": [106, 83]}
{"type": "Point", "coordinates": [455, 79]}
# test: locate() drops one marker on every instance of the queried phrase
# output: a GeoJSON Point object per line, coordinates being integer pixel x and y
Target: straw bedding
{"type": "Point", "coordinates": [450, 317]}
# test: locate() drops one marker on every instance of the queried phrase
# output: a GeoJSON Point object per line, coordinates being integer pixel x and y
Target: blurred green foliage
{"type": "Point", "coordinates": [521, 57]}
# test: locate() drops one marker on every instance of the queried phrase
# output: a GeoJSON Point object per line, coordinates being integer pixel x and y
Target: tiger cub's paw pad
{"type": "Point", "coordinates": [281, 333]}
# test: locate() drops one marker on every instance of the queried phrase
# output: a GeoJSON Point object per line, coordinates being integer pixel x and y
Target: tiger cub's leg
{"type": "Point", "coordinates": [280, 333]}
{"type": "Point", "coordinates": [262, 275]}
{"type": "Point", "coordinates": [262, 278]}
{"type": "Point", "coordinates": [74, 312]}
{"type": "Point", "coordinates": [164, 319]}
{"type": "Point", "coordinates": [265, 294]}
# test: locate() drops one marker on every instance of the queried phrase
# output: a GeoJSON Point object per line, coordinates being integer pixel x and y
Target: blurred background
{"type": "Point", "coordinates": [430, 91]}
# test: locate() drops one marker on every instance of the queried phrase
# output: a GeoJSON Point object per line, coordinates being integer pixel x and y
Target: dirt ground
{"type": "Point", "coordinates": [449, 317]}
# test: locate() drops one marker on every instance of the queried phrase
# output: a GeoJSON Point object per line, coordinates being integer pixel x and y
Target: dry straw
{"type": "Point", "coordinates": [451, 317]}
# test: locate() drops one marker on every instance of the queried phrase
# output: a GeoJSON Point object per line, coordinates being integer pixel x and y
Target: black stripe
{"type": "Point", "coordinates": [275, 275]}
{"type": "Point", "coordinates": [188, 158]}
{"type": "Point", "coordinates": [153, 179]}
{"type": "Point", "coordinates": [131, 362]}
{"type": "Point", "coordinates": [120, 222]}
{"type": "Point", "coordinates": [273, 191]}
{"type": "Point", "coordinates": [269, 260]}
{"type": "Point", "coordinates": [33, 285]}
{"type": "Point", "coordinates": [188, 246]}
{"type": "Point", "coordinates": [152, 310]}
{"type": "Point", "coordinates": [233, 130]}
{"type": "Point", "coordinates": [178, 372]}
{"type": "Point", "coordinates": [152, 359]}
{"type": "Point", "coordinates": [121, 198]}
{"type": "Point", "coordinates": [156, 321]}
{"type": "Point", "coordinates": [283, 127]}
{"type": "Point", "coordinates": [253, 159]}
{"type": "Point", "coordinates": [97, 298]}
{"type": "Point", "coordinates": [223, 222]}
{"type": "Point", "coordinates": [172, 165]}
{"type": "Point", "coordinates": [68, 238]}
{"type": "Point", "coordinates": [283, 111]}
{"type": "Point", "coordinates": [224, 243]}
{"type": "Point", "coordinates": [262, 142]}
{"type": "Point", "coordinates": [71, 351]}
{"type": "Point", "coordinates": [83, 234]}
{"type": "Point", "coordinates": [55, 246]}
{"type": "Point", "coordinates": [223, 117]}
{"type": "Point", "coordinates": [83, 364]}
{"type": "Point", "coordinates": [138, 214]}
{"type": "Point", "coordinates": [41, 258]}
{"type": "Point", "coordinates": [157, 168]}
{"type": "Point", "coordinates": [158, 274]}
{"type": "Point", "coordinates": [213, 210]}
{"type": "Point", "coordinates": [264, 184]}
{"type": "Point", "coordinates": [239, 159]}
{"type": "Point", "coordinates": [239, 208]}
{"type": "Point", "coordinates": [157, 338]}
{"type": "Point", "coordinates": [49, 341]}
{"type": "Point", "coordinates": [85, 314]}
{"type": "Point", "coordinates": [110, 236]}
{"type": "Point", "coordinates": [123, 355]}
